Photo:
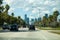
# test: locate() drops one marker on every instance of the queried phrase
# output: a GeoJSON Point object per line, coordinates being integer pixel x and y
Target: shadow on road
{"type": "Point", "coordinates": [3, 31]}
{"type": "Point", "coordinates": [19, 38]}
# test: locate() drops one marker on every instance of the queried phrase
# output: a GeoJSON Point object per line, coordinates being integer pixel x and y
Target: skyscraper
{"type": "Point", "coordinates": [25, 16]}
{"type": "Point", "coordinates": [32, 21]}
{"type": "Point", "coordinates": [26, 19]}
{"type": "Point", "coordinates": [46, 15]}
{"type": "Point", "coordinates": [39, 19]}
{"type": "Point", "coordinates": [35, 19]}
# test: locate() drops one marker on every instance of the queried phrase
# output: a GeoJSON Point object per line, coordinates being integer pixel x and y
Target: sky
{"type": "Point", "coordinates": [33, 8]}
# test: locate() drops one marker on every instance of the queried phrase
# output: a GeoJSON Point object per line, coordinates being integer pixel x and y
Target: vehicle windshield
{"type": "Point", "coordinates": [29, 19]}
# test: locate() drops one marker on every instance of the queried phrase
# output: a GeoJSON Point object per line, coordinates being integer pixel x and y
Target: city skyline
{"type": "Point", "coordinates": [32, 20]}
{"type": "Point", "coordinates": [33, 8]}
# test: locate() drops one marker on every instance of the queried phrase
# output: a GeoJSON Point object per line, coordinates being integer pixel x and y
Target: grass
{"type": "Point", "coordinates": [0, 28]}
{"type": "Point", "coordinates": [56, 31]}
{"type": "Point", "coordinates": [49, 28]}
{"type": "Point", "coordinates": [52, 30]}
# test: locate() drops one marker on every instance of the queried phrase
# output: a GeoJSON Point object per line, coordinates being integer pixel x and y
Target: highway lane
{"type": "Point", "coordinates": [25, 34]}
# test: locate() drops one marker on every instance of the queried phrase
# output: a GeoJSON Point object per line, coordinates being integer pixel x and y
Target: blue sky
{"type": "Point", "coordinates": [33, 8]}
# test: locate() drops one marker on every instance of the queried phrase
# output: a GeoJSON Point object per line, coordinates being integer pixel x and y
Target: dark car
{"type": "Point", "coordinates": [5, 27]}
{"type": "Point", "coordinates": [32, 27]}
{"type": "Point", "coordinates": [14, 27]}
{"type": "Point", "coordinates": [24, 26]}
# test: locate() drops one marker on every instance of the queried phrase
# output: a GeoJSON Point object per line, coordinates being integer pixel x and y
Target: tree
{"type": "Point", "coordinates": [50, 21]}
{"type": "Point", "coordinates": [44, 21]}
{"type": "Point", "coordinates": [19, 19]}
{"type": "Point", "coordinates": [1, 2]}
{"type": "Point", "coordinates": [1, 10]}
{"type": "Point", "coordinates": [4, 17]}
{"type": "Point", "coordinates": [55, 15]}
{"type": "Point", "coordinates": [7, 7]}
{"type": "Point", "coordinates": [1, 7]}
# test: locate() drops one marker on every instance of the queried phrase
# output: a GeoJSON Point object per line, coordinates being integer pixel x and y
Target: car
{"type": "Point", "coordinates": [5, 27]}
{"type": "Point", "coordinates": [32, 27]}
{"type": "Point", "coordinates": [14, 27]}
{"type": "Point", "coordinates": [24, 26]}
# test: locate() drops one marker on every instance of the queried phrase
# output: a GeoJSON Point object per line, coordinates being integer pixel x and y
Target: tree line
{"type": "Point", "coordinates": [6, 18]}
{"type": "Point", "coordinates": [50, 21]}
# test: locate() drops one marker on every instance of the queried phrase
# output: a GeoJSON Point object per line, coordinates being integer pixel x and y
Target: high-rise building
{"type": "Point", "coordinates": [35, 19]}
{"type": "Point", "coordinates": [32, 21]}
{"type": "Point", "coordinates": [46, 15]}
{"type": "Point", "coordinates": [39, 19]}
{"type": "Point", "coordinates": [26, 19]}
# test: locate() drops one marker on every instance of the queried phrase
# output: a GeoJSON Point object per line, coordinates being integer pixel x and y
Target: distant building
{"type": "Point", "coordinates": [32, 21]}
{"type": "Point", "coordinates": [39, 19]}
{"type": "Point", "coordinates": [46, 15]}
{"type": "Point", "coordinates": [36, 19]}
{"type": "Point", "coordinates": [26, 19]}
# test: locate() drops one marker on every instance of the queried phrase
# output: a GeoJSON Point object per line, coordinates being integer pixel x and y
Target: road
{"type": "Point", "coordinates": [25, 34]}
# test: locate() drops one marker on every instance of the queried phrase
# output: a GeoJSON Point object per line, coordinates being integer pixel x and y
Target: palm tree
{"type": "Point", "coordinates": [55, 15]}
{"type": "Point", "coordinates": [1, 7]}
{"type": "Point", "coordinates": [1, 2]}
{"type": "Point", "coordinates": [44, 21]}
{"type": "Point", "coordinates": [7, 7]}
{"type": "Point", "coordinates": [50, 20]}
{"type": "Point", "coordinates": [19, 18]}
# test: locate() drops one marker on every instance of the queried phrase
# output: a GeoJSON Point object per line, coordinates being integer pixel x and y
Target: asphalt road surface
{"type": "Point", "coordinates": [25, 34]}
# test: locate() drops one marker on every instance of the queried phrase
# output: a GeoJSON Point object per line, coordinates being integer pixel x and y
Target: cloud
{"type": "Point", "coordinates": [58, 18]}
{"type": "Point", "coordinates": [54, 9]}
{"type": "Point", "coordinates": [31, 1]}
{"type": "Point", "coordinates": [50, 3]}
{"type": "Point", "coordinates": [35, 10]}
{"type": "Point", "coordinates": [31, 16]}
{"type": "Point", "coordinates": [46, 11]}
{"type": "Point", "coordinates": [9, 1]}
{"type": "Point", "coordinates": [27, 9]}
{"type": "Point", "coordinates": [11, 9]}
{"type": "Point", "coordinates": [34, 6]}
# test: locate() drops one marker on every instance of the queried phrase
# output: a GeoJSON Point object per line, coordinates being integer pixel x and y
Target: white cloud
{"type": "Point", "coordinates": [11, 9]}
{"type": "Point", "coordinates": [31, 16]}
{"type": "Point", "coordinates": [8, 1]}
{"type": "Point", "coordinates": [27, 9]}
{"type": "Point", "coordinates": [41, 14]}
{"type": "Point", "coordinates": [31, 1]}
{"type": "Point", "coordinates": [34, 5]}
{"type": "Point", "coordinates": [54, 9]}
{"type": "Point", "coordinates": [46, 11]}
{"type": "Point", "coordinates": [46, 2]}
{"type": "Point", "coordinates": [58, 18]}
{"type": "Point", "coordinates": [35, 10]}
{"type": "Point", "coordinates": [50, 3]}
{"type": "Point", "coordinates": [41, 8]}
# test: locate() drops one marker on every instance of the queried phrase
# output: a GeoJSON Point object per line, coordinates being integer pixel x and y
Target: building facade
{"type": "Point", "coordinates": [46, 15]}
{"type": "Point", "coordinates": [26, 19]}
